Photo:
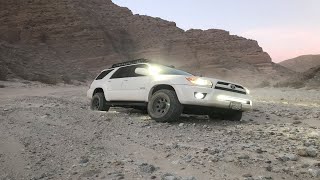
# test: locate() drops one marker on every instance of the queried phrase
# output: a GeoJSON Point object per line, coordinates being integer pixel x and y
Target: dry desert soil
{"type": "Point", "coordinates": [49, 132]}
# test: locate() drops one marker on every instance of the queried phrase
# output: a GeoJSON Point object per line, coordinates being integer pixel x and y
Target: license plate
{"type": "Point", "coordinates": [235, 105]}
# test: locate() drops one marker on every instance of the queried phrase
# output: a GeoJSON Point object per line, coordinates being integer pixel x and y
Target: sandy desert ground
{"type": "Point", "coordinates": [50, 133]}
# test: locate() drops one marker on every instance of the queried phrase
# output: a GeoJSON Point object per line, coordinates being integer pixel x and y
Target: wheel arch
{"type": "Point", "coordinates": [159, 87]}
{"type": "Point", "coordinates": [96, 90]}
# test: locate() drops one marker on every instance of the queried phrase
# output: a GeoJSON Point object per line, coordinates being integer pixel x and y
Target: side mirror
{"type": "Point", "coordinates": [142, 71]}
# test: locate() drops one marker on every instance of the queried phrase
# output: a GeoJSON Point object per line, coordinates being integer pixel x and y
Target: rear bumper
{"type": "Point", "coordinates": [214, 97]}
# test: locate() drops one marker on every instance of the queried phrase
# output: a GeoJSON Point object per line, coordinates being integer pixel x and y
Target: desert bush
{"type": "Point", "coordinates": [3, 72]}
{"type": "Point", "coordinates": [66, 79]}
{"type": "Point", "coordinates": [82, 77]}
{"type": "Point", "coordinates": [44, 79]}
{"type": "Point", "coordinates": [291, 84]}
{"type": "Point", "coordinates": [263, 84]}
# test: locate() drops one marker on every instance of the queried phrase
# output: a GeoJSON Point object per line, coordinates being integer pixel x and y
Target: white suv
{"type": "Point", "coordinates": [166, 92]}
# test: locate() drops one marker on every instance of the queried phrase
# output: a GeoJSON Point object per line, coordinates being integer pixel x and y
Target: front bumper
{"type": "Point", "coordinates": [214, 97]}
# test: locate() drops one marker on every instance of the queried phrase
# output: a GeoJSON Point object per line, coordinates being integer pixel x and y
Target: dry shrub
{"type": "Point", "coordinates": [82, 77]}
{"type": "Point", "coordinates": [66, 79]}
{"type": "Point", "coordinates": [44, 79]}
{"type": "Point", "coordinates": [291, 84]}
{"type": "Point", "coordinates": [263, 84]}
{"type": "Point", "coordinates": [2, 86]}
{"type": "Point", "coordinates": [3, 72]}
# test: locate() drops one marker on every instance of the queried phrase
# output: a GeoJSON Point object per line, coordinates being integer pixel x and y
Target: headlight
{"type": "Point", "coordinates": [199, 81]}
{"type": "Point", "coordinates": [247, 90]}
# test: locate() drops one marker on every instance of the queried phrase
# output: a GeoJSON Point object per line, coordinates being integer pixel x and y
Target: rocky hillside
{"type": "Point", "coordinates": [302, 63]}
{"type": "Point", "coordinates": [59, 40]}
{"type": "Point", "coordinates": [309, 79]}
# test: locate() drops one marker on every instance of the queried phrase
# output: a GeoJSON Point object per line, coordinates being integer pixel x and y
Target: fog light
{"type": "Point", "coordinates": [199, 95]}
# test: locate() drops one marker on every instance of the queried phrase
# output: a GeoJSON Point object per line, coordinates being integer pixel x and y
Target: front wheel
{"type": "Point", "coordinates": [99, 103]}
{"type": "Point", "coordinates": [164, 106]}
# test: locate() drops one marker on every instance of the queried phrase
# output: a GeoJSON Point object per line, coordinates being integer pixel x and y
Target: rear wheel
{"type": "Point", "coordinates": [164, 106]}
{"type": "Point", "coordinates": [99, 103]}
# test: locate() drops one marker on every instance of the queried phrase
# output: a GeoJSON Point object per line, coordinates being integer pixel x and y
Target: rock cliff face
{"type": "Point", "coordinates": [62, 39]}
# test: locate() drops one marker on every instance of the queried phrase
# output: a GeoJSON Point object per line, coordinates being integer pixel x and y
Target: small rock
{"type": "Point", "coordinates": [214, 151]}
{"type": "Point", "coordinates": [269, 168]}
{"type": "Point", "coordinates": [181, 124]}
{"type": "Point", "coordinates": [244, 156]}
{"type": "Point", "coordinates": [288, 157]}
{"type": "Point", "coordinates": [259, 151]}
{"type": "Point", "coordinates": [84, 160]}
{"type": "Point", "coordinates": [297, 122]}
{"type": "Point", "coordinates": [189, 178]}
{"type": "Point", "coordinates": [314, 172]}
{"type": "Point", "coordinates": [169, 176]}
{"type": "Point", "coordinates": [314, 135]}
{"type": "Point", "coordinates": [147, 168]}
{"type": "Point", "coordinates": [205, 126]}
{"type": "Point", "coordinates": [307, 151]}
{"type": "Point", "coordinates": [265, 178]}
{"type": "Point", "coordinates": [188, 158]}
{"type": "Point", "coordinates": [295, 118]}
{"type": "Point", "coordinates": [247, 175]}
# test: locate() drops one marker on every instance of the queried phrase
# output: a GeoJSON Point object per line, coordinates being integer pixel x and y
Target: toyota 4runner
{"type": "Point", "coordinates": [165, 92]}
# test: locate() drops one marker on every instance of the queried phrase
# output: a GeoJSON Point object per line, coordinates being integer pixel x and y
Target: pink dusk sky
{"type": "Point", "coordinates": [283, 28]}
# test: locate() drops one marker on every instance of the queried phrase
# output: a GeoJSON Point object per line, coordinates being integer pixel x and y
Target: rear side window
{"type": "Point", "coordinates": [120, 73]}
{"type": "Point", "coordinates": [128, 71]}
{"type": "Point", "coordinates": [103, 74]}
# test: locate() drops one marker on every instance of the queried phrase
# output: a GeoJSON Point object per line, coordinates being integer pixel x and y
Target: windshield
{"type": "Point", "coordinates": [165, 70]}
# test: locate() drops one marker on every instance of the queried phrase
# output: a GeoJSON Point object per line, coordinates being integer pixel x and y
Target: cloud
{"type": "Point", "coordinates": [286, 42]}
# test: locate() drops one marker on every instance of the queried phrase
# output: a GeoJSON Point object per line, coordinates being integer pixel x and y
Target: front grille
{"type": "Point", "coordinates": [231, 90]}
{"type": "Point", "coordinates": [225, 86]}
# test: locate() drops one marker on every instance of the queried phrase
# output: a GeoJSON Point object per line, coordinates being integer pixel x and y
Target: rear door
{"type": "Point", "coordinates": [115, 91]}
{"type": "Point", "coordinates": [134, 85]}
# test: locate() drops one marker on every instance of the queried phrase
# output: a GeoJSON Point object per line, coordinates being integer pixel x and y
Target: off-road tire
{"type": "Point", "coordinates": [171, 109]}
{"type": "Point", "coordinates": [99, 103]}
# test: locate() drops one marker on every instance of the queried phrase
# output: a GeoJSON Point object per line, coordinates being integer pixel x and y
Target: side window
{"type": "Point", "coordinates": [103, 74]}
{"type": "Point", "coordinates": [128, 71]}
{"type": "Point", "coordinates": [120, 73]}
{"type": "Point", "coordinates": [133, 68]}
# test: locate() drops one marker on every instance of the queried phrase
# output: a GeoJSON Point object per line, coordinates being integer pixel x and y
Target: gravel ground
{"type": "Point", "coordinates": [50, 133]}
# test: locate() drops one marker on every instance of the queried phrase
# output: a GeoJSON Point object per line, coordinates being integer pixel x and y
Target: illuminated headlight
{"type": "Point", "coordinates": [199, 95]}
{"type": "Point", "coordinates": [199, 81]}
{"type": "Point", "coordinates": [247, 90]}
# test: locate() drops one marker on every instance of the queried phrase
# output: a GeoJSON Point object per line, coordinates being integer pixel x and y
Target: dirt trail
{"type": "Point", "coordinates": [50, 133]}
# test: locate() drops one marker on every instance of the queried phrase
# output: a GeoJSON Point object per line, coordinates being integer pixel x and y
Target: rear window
{"type": "Point", "coordinates": [103, 74]}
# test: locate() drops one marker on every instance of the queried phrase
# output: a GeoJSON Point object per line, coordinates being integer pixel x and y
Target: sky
{"type": "Point", "coordinates": [283, 28]}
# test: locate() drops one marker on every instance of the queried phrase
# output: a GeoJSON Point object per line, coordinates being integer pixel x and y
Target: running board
{"type": "Point", "coordinates": [126, 103]}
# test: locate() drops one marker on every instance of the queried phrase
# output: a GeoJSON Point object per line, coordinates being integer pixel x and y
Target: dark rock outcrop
{"type": "Point", "coordinates": [74, 38]}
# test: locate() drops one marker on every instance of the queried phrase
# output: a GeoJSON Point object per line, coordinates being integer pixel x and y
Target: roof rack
{"type": "Point", "coordinates": [136, 61]}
